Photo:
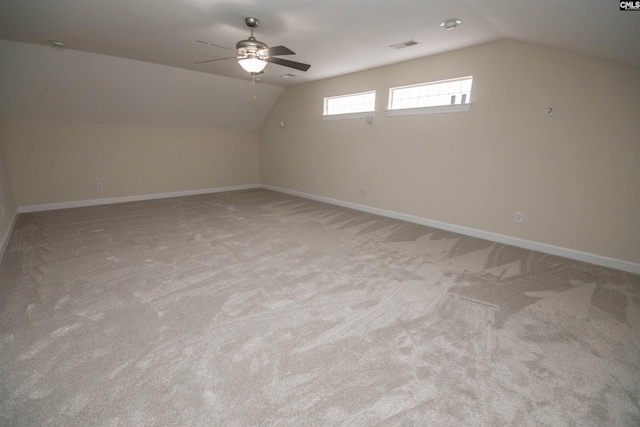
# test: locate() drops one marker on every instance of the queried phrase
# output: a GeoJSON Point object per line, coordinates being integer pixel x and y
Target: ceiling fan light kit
{"type": "Point", "coordinates": [252, 64]}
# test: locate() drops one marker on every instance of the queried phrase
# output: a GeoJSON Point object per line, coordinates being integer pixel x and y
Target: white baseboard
{"type": "Point", "coordinates": [617, 264]}
{"type": "Point", "coordinates": [95, 202]}
{"type": "Point", "coordinates": [7, 236]}
{"type": "Point", "coordinates": [603, 261]}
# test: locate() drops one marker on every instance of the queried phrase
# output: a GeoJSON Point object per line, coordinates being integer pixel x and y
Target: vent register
{"type": "Point", "coordinates": [402, 45]}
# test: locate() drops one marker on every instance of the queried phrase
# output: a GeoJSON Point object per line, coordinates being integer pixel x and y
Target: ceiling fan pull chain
{"type": "Point", "coordinates": [253, 85]}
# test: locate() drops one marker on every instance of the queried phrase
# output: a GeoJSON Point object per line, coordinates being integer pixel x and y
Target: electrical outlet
{"type": "Point", "coordinates": [363, 192]}
{"type": "Point", "coordinates": [518, 217]}
{"type": "Point", "coordinates": [353, 189]}
{"type": "Point", "coordinates": [99, 185]}
{"type": "Point", "coordinates": [318, 183]}
{"type": "Point", "coordinates": [2, 207]}
{"type": "Point", "coordinates": [221, 177]}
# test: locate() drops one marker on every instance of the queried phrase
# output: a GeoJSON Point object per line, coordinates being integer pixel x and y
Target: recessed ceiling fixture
{"type": "Point", "coordinates": [404, 44]}
{"type": "Point", "coordinates": [287, 76]}
{"type": "Point", "coordinates": [450, 24]}
{"type": "Point", "coordinates": [56, 43]}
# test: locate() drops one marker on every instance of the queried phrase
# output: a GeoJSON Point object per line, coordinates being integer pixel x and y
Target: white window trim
{"type": "Point", "coordinates": [347, 116]}
{"type": "Point", "coordinates": [457, 108]}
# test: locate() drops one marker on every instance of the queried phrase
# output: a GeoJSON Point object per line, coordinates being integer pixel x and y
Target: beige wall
{"type": "Point", "coordinates": [7, 200]}
{"type": "Point", "coordinates": [574, 175]}
{"type": "Point", "coordinates": [71, 119]}
{"type": "Point", "coordinates": [55, 162]}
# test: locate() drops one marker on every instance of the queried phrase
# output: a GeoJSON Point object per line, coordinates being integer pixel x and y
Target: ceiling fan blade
{"type": "Point", "coordinates": [217, 59]}
{"type": "Point", "coordinates": [291, 64]}
{"type": "Point", "coordinates": [216, 45]}
{"type": "Point", "coordinates": [278, 50]}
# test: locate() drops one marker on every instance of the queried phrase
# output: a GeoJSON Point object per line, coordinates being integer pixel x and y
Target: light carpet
{"type": "Point", "coordinates": [259, 308]}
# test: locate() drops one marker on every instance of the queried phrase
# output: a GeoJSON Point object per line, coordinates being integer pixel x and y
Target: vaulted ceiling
{"type": "Point", "coordinates": [334, 36]}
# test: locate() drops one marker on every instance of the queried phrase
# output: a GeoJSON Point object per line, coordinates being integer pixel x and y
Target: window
{"type": "Point", "coordinates": [354, 105]}
{"type": "Point", "coordinates": [421, 97]}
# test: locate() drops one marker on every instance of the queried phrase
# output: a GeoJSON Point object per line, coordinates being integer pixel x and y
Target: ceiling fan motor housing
{"type": "Point", "coordinates": [251, 47]}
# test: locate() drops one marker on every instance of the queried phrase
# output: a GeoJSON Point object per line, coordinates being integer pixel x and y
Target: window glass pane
{"type": "Point", "coordinates": [354, 103]}
{"type": "Point", "coordinates": [431, 94]}
{"type": "Point", "coordinates": [443, 88]}
{"type": "Point", "coordinates": [443, 100]}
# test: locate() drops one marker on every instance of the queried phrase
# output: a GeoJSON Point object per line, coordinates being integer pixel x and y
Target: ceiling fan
{"type": "Point", "coordinates": [253, 55]}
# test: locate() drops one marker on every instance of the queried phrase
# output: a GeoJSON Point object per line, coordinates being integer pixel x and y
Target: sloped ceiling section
{"type": "Point", "coordinates": [335, 36]}
{"type": "Point", "coordinates": [46, 83]}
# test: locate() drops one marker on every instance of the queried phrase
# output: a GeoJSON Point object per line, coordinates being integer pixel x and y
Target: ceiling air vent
{"type": "Point", "coordinates": [404, 44]}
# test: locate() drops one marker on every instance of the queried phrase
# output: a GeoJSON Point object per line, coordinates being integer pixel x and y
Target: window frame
{"type": "Point", "coordinates": [441, 108]}
{"type": "Point", "coordinates": [350, 115]}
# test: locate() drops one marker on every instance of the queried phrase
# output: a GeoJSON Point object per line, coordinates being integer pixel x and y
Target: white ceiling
{"type": "Point", "coordinates": [334, 36]}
